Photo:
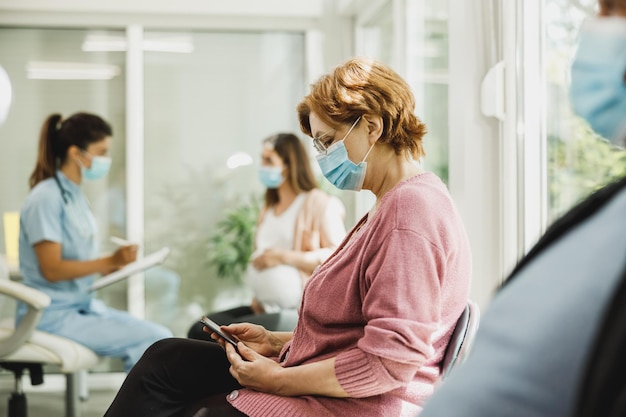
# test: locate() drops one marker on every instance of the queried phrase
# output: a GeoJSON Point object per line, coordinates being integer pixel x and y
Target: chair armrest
{"type": "Point", "coordinates": [36, 302]}
{"type": "Point", "coordinates": [21, 292]}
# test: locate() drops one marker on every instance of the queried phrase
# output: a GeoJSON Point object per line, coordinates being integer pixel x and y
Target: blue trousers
{"type": "Point", "coordinates": [105, 330]}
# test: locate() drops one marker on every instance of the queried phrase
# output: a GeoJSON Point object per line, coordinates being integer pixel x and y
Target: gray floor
{"type": "Point", "coordinates": [52, 404]}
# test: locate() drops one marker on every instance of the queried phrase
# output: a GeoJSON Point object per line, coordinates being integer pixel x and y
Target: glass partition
{"type": "Point", "coordinates": [206, 113]}
{"type": "Point", "coordinates": [412, 37]}
{"type": "Point", "coordinates": [210, 99]}
{"type": "Point", "coordinates": [579, 161]}
{"type": "Point", "coordinates": [428, 76]}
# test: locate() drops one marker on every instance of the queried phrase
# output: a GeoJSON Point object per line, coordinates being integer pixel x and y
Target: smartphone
{"type": "Point", "coordinates": [216, 329]}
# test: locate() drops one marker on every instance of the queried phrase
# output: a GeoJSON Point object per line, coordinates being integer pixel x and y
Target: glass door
{"type": "Point", "coordinates": [579, 161]}
{"type": "Point", "coordinates": [559, 160]}
{"type": "Point", "coordinates": [427, 73]}
{"type": "Point", "coordinates": [412, 37]}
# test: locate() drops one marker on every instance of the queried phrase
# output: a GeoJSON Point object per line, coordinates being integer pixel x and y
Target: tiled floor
{"type": "Point", "coordinates": [52, 404]}
{"type": "Point", "coordinates": [48, 400]}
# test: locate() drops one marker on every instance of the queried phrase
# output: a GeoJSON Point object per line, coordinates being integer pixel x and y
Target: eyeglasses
{"type": "Point", "coordinates": [323, 142]}
{"type": "Point", "coordinates": [320, 143]}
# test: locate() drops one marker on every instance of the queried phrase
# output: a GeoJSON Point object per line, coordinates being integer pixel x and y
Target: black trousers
{"type": "Point", "coordinates": [177, 377]}
{"type": "Point", "coordinates": [283, 321]}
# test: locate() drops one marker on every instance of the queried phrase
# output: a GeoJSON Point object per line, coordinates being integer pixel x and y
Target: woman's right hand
{"type": "Point", "coordinates": [123, 256]}
{"type": "Point", "coordinates": [269, 258]}
{"type": "Point", "coordinates": [256, 338]}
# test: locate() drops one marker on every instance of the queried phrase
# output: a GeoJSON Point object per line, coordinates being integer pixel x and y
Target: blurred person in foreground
{"type": "Point", "coordinates": [551, 343]}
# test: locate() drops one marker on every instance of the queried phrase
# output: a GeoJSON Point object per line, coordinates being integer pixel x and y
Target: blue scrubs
{"type": "Point", "coordinates": [64, 216]}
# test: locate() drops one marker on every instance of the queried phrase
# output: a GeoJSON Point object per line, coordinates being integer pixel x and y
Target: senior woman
{"type": "Point", "coordinates": [375, 317]}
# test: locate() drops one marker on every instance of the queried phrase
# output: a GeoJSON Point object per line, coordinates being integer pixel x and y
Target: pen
{"type": "Point", "coordinates": [120, 241]}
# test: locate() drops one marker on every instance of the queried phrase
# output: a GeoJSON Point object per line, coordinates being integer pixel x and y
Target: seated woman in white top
{"type": "Point", "coordinates": [291, 238]}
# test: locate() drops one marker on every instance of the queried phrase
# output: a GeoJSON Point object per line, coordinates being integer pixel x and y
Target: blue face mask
{"type": "Point", "coordinates": [339, 169]}
{"type": "Point", "coordinates": [271, 177]}
{"type": "Point", "coordinates": [598, 90]}
{"type": "Point", "coordinates": [100, 166]}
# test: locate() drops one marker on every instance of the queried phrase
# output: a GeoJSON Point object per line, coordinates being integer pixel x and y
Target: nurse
{"type": "Point", "coordinates": [58, 245]}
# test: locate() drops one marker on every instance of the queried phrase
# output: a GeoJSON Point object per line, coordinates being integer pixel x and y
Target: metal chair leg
{"type": "Point", "coordinates": [17, 405]}
{"type": "Point", "coordinates": [83, 387]}
{"type": "Point", "coordinates": [72, 406]}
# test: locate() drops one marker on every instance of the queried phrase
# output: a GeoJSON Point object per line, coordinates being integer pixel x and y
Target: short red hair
{"type": "Point", "coordinates": [364, 86]}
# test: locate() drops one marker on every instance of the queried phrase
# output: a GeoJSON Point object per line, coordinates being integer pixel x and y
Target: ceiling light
{"type": "Point", "coordinates": [39, 70]}
{"type": "Point", "coordinates": [152, 42]}
{"type": "Point", "coordinates": [104, 43]}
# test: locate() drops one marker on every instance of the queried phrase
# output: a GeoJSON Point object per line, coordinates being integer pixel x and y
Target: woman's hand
{"type": "Point", "coordinates": [54, 268]}
{"type": "Point", "coordinates": [304, 261]}
{"type": "Point", "coordinates": [262, 374]}
{"type": "Point", "coordinates": [254, 371]}
{"type": "Point", "coordinates": [255, 337]}
{"type": "Point", "coordinates": [123, 256]}
{"type": "Point", "coordinates": [269, 258]}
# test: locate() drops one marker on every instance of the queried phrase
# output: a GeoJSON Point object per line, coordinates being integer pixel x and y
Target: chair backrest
{"type": "Point", "coordinates": [461, 339]}
{"type": "Point", "coordinates": [4, 268]}
{"type": "Point", "coordinates": [7, 304]}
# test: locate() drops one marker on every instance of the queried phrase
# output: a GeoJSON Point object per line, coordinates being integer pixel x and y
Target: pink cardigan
{"type": "Point", "coordinates": [384, 304]}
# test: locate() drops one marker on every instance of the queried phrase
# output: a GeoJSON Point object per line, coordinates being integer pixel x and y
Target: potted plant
{"type": "Point", "coordinates": [232, 243]}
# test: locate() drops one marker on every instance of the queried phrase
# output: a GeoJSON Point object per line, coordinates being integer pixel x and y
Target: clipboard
{"type": "Point", "coordinates": [155, 258]}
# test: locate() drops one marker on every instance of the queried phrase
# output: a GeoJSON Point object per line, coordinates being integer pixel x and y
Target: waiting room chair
{"type": "Point", "coordinates": [462, 338]}
{"type": "Point", "coordinates": [24, 348]}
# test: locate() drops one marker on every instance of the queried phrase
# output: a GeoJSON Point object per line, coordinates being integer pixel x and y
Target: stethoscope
{"type": "Point", "coordinates": [64, 193]}
{"type": "Point", "coordinates": [85, 226]}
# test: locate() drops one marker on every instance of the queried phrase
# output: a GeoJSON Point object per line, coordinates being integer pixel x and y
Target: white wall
{"type": "Point", "coordinates": [286, 8]}
{"type": "Point", "coordinates": [231, 14]}
{"type": "Point", "coordinates": [474, 144]}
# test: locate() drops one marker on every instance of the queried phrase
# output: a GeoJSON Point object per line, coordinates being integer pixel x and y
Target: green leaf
{"type": "Point", "coordinates": [232, 243]}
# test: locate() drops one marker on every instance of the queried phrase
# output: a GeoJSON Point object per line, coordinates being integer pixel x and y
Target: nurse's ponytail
{"type": "Point", "coordinates": [58, 135]}
{"type": "Point", "coordinates": [46, 155]}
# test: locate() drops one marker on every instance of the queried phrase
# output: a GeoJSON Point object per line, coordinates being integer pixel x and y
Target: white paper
{"type": "Point", "coordinates": [139, 265]}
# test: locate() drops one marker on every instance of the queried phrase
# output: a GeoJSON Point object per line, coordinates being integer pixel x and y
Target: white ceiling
{"type": "Point", "coordinates": [213, 14]}
{"type": "Point", "coordinates": [301, 8]}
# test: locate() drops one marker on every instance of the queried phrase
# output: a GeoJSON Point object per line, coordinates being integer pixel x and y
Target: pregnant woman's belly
{"type": "Point", "coordinates": [277, 288]}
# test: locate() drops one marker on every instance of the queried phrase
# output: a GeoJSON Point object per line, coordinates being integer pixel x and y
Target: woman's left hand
{"type": "Point", "coordinates": [269, 258]}
{"type": "Point", "coordinates": [252, 370]}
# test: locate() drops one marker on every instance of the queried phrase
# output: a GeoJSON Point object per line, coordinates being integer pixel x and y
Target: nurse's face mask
{"type": "Point", "coordinates": [100, 166]}
{"type": "Point", "coordinates": [598, 89]}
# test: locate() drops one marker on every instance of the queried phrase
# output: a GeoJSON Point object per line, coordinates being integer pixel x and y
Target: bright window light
{"type": "Point", "coordinates": [6, 93]}
{"type": "Point", "coordinates": [239, 159]}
